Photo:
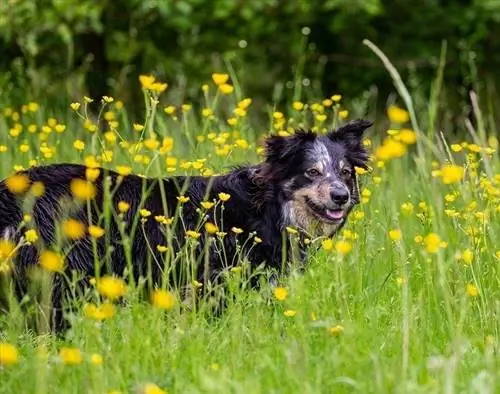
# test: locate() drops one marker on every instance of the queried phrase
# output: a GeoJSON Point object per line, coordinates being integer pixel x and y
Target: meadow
{"type": "Point", "coordinates": [404, 299]}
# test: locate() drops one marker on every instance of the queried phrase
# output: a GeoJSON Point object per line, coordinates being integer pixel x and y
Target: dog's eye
{"type": "Point", "coordinates": [346, 172]}
{"type": "Point", "coordinates": [313, 172]}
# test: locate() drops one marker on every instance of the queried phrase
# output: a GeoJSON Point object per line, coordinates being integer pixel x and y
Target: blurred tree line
{"type": "Point", "coordinates": [61, 48]}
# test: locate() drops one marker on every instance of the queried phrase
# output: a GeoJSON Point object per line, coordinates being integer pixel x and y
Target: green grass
{"type": "Point", "coordinates": [403, 319]}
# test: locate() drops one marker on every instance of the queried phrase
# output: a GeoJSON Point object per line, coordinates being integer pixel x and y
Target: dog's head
{"type": "Point", "coordinates": [316, 174]}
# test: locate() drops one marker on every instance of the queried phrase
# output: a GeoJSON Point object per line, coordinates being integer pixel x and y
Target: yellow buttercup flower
{"type": "Point", "coordinates": [31, 235]}
{"type": "Point", "coordinates": [336, 330]}
{"type": "Point", "coordinates": [224, 196]}
{"type": "Point", "coordinates": [9, 355]}
{"type": "Point", "coordinates": [95, 231]}
{"type": "Point", "coordinates": [71, 356]}
{"type": "Point", "coordinates": [111, 287]}
{"type": "Point", "coordinates": [73, 229]}
{"type": "Point", "coordinates": [226, 88]}
{"type": "Point", "coordinates": [102, 312]}
{"type": "Point", "coordinates": [280, 293]}
{"type": "Point", "coordinates": [82, 190]}
{"type": "Point", "coordinates": [397, 115]}
{"type": "Point", "coordinates": [395, 234]}
{"type": "Point", "coordinates": [452, 173]}
{"type": "Point", "coordinates": [219, 78]}
{"type": "Point", "coordinates": [147, 81]}
{"type": "Point", "coordinates": [211, 228]}
{"type": "Point", "coordinates": [51, 261]}
{"type": "Point", "coordinates": [343, 247]}
{"type": "Point", "coordinates": [163, 299]}
{"type": "Point", "coordinates": [123, 206]}
{"type": "Point", "coordinates": [18, 183]}
{"type": "Point", "coordinates": [327, 244]}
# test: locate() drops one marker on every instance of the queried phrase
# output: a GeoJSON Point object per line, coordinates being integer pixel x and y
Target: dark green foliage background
{"type": "Point", "coordinates": [61, 49]}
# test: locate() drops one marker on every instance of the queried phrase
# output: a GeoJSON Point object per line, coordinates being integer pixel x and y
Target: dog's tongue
{"type": "Point", "coordinates": [336, 214]}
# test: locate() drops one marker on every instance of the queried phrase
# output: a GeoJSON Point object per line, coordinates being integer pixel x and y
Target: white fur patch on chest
{"type": "Point", "coordinates": [297, 214]}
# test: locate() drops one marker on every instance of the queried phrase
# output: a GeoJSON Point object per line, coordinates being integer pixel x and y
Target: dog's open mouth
{"type": "Point", "coordinates": [326, 215]}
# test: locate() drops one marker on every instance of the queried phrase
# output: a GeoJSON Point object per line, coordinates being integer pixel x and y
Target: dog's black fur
{"type": "Point", "coordinates": [281, 191]}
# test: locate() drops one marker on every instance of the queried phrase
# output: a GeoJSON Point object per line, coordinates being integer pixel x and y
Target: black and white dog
{"type": "Point", "coordinates": [307, 181]}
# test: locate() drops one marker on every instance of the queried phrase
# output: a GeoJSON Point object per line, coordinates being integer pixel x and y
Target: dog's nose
{"type": "Point", "coordinates": [340, 196]}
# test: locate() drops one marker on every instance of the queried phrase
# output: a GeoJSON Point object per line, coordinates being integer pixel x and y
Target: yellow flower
{"type": "Point", "coordinates": [163, 299]}
{"type": "Point", "coordinates": [146, 81]}
{"type": "Point", "coordinates": [395, 234]}
{"type": "Point", "coordinates": [343, 114]}
{"type": "Point", "coordinates": [183, 199]}
{"type": "Point", "coordinates": [161, 248]}
{"type": "Point", "coordinates": [145, 213]}
{"type": "Point", "coordinates": [407, 208]}
{"type": "Point", "coordinates": [73, 229]}
{"type": "Point", "coordinates": [151, 388]}
{"type": "Point", "coordinates": [207, 112]}
{"type": "Point", "coordinates": [358, 215]}
{"type": "Point", "coordinates": [336, 330]}
{"type": "Point", "coordinates": [220, 79]}
{"type": "Point", "coordinates": [111, 287]}
{"type": "Point", "coordinates": [123, 170]}
{"type": "Point", "coordinates": [280, 293]}
{"type": "Point", "coordinates": [467, 256]}
{"type": "Point", "coordinates": [432, 243]}
{"type": "Point", "coordinates": [452, 173]}
{"type": "Point", "coordinates": [9, 355]}
{"type": "Point", "coordinates": [207, 204]}
{"type": "Point", "coordinates": [193, 234]}
{"type": "Point", "coordinates": [138, 127]}
{"type": "Point", "coordinates": [236, 230]}
{"type": "Point", "coordinates": [99, 313]}
{"type": "Point", "coordinates": [226, 88]}
{"type": "Point", "coordinates": [343, 247]}
{"type": "Point", "coordinates": [96, 359]}
{"type": "Point", "coordinates": [327, 244]}
{"type": "Point", "coordinates": [224, 197]}
{"type": "Point", "coordinates": [472, 290]}
{"type": "Point", "coordinates": [37, 189]}
{"type": "Point", "coordinates": [31, 235]}
{"type": "Point", "coordinates": [211, 228]}
{"type": "Point", "coordinates": [51, 261]}
{"type": "Point", "coordinates": [92, 174]}
{"type": "Point", "coordinates": [320, 117]}
{"type": "Point", "coordinates": [290, 313]}
{"type": "Point", "coordinates": [96, 231]}
{"type": "Point", "coordinates": [336, 97]}
{"type": "Point", "coordinates": [397, 115]}
{"type": "Point", "coordinates": [123, 206]}
{"type": "Point", "coordinates": [245, 103]}
{"type": "Point", "coordinates": [70, 356]}
{"type": "Point", "coordinates": [159, 87]}
{"type": "Point", "coordinates": [17, 184]}
{"type": "Point", "coordinates": [7, 249]}
{"type": "Point", "coordinates": [82, 190]}
{"type": "Point", "coordinates": [75, 106]}
{"type": "Point", "coordinates": [390, 149]}
{"type": "Point", "coordinates": [407, 136]}
{"type": "Point", "coordinates": [169, 109]}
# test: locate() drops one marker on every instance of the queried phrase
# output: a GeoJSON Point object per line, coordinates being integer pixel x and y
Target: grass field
{"type": "Point", "coordinates": [405, 299]}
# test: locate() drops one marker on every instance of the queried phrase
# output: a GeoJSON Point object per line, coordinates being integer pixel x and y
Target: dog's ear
{"type": "Point", "coordinates": [351, 136]}
{"type": "Point", "coordinates": [279, 149]}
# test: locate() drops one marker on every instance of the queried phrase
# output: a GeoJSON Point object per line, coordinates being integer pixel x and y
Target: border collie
{"type": "Point", "coordinates": [307, 181]}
